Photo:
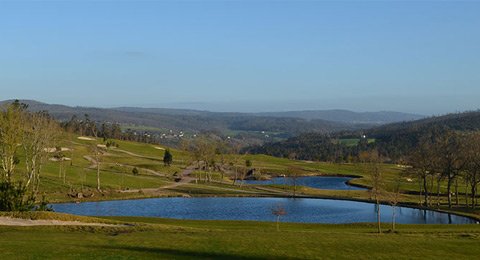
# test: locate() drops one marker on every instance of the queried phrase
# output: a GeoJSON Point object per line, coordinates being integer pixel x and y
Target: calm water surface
{"type": "Point", "coordinates": [318, 182]}
{"type": "Point", "coordinates": [259, 209]}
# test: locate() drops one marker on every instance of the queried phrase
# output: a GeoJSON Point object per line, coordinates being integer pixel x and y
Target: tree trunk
{"type": "Point", "coordinates": [431, 193]}
{"type": "Point", "coordinates": [473, 196]}
{"type": "Point", "coordinates": [426, 191]}
{"type": "Point", "coordinates": [466, 194]}
{"type": "Point", "coordinates": [278, 219]}
{"type": "Point", "coordinates": [243, 177]}
{"type": "Point", "coordinates": [294, 186]}
{"type": "Point", "coordinates": [38, 184]}
{"type": "Point", "coordinates": [420, 194]}
{"type": "Point", "coordinates": [206, 172]}
{"type": "Point", "coordinates": [393, 219]}
{"type": "Point", "coordinates": [456, 192]}
{"type": "Point", "coordinates": [98, 170]}
{"type": "Point", "coordinates": [378, 216]}
{"type": "Point", "coordinates": [236, 176]}
{"type": "Point", "coordinates": [449, 185]}
{"type": "Point", "coordinates": [438, 193]}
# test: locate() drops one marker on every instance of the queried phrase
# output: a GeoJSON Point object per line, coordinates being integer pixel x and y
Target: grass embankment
{"type": "Point", "coordinates": [154, 238]}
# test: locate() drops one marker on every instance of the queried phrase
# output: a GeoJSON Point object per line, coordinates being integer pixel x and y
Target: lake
{"type": "Point", "coordinates": [258, 209]}
{"type": "Point", "coordinates": [317, 182]}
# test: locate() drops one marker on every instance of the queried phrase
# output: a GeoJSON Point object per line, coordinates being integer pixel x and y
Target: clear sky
{"type": "Point", "coordinates": [411, 56]}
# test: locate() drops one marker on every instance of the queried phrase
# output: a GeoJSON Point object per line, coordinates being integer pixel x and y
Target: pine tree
{"type": "Point", "coordinates": [168, 158]}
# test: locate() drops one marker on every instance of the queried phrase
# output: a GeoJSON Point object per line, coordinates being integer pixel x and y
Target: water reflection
{"type": "Point", "coordinates": [318, 182]}
{"type": "Point", "coordinates": [299, 210]}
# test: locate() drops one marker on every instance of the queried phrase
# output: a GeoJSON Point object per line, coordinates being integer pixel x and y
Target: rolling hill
{"type": "Point", "coordinates": [392, 140]}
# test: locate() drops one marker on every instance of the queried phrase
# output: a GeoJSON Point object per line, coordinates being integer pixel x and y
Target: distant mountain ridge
{"type": "Point", "coordinates": [193, 121]}
{"type": "Point", "coordinates": [262, 126]}
{"type": "Point", "coordinates": [347, 116]}
{"type": "Point", "coordinates": [334, 115]}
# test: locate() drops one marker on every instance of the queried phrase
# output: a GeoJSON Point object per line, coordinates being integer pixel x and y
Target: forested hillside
{"type": "Point", "coordinates": [393, 141]}
{"type": "Point", "coordinates": [162, 120]}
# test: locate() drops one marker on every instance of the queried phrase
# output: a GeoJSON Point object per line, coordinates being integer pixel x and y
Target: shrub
{"type": "Point", "coordinates": [135, 171]}
{"type": "Point", "coordinates": [43, 206]}
{"type": "Point", "coordinates": [14, 197]}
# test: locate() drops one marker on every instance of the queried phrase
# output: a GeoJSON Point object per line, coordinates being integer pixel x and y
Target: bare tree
{"type": "Point", "coordinates": [394, 198]}
{"type": "Point", "coordinates": [184, 146]}
{"type": "Point", "coordinates": [472, 169]}
{"type": "Point", "coordinates": [372, 161]}
{"type": "Point", "coordinates": [279, 211]}
{"type": "Point", "coordinates": [245, 170]}
{"type": "Point", "coordinates": [222, 150]}
{"type": "Point", "coordinates": [451, 159]}
{"type": "Point", "coordinates": [40, 133]}
{"type": "Point", "coordinates": [422, 167]}
{"type": "Point", "coordinates": [96, 153]}
{"type": "Point", "coordinates": [294, 171]}
{"type": "Point", "coordinates": [236, 158]}
{"type": "Point", "coordinates": [10, 136]}
{"type": "Point", "coordinates": [210, 159]}
{"type": "Point", "coordinates": [243, 174]}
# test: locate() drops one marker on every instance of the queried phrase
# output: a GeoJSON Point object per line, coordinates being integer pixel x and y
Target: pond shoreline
{"type": "Point", "coordinates": [298, 196]}
{"type": "Point", "coordinates": [222, 210]}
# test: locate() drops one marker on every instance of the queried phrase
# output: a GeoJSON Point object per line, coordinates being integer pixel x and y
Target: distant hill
{"type": "Point", "coordinates": [194, 121]}
{"type": "Point", "coordinates": [392, 140]}
{"type": "Point", "coordinates": [346, 116]}
{"type": "Point", "coordinates": [336, 115]}
{"type": "Point", "coordinates": [263, 127]}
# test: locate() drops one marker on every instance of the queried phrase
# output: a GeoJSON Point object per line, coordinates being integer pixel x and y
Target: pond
{"type": "Point", "coordinates": [259, 209]}
{"type": "Point", "coordinates": [317, 182]}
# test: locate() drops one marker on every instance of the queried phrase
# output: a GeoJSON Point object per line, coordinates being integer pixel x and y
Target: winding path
{"type": "Point", "coordinates": [186, 179]}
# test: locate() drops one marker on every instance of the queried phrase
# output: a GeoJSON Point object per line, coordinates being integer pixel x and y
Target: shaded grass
{"type": "Point", "coordinates": [200, 239]}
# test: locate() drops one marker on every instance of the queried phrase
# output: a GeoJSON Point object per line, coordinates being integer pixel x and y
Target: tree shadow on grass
{"type": "Point", "coordinates": [186, 254]}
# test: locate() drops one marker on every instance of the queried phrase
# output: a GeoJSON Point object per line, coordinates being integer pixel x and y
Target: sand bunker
{"type": "Point", "coordinates": [85, 138]}
{"type": "Point", "coordinates": [159, 148]}
{"type": "Point", "coordinates": [53, 159]}
{"type": "Point", "coordinates": [52, 150]}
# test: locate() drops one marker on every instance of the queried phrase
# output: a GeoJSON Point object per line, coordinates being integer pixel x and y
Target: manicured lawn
{"type": "Point", "coordinates": [186, 239]}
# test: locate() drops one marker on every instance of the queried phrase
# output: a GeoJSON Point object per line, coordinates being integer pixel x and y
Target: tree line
{"type": "Point", "coordinates": [105, 130]}
{"type": "Point", "coordinates": [447, 156]}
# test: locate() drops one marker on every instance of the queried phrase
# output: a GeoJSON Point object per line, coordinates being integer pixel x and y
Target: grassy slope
{"type": "Point", "coordinates": [187, 239]}
{"type": "Point", "coordinates": [183, 239]}
{"type": "Point", "coordinates": [116, 171]}
{"type": "Point", "coordinates": [116, 175]}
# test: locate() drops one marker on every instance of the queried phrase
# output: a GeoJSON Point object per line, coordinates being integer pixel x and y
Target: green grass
{"type": "Point", "coordinates": [155, 238]}
{"type": "Point", "coordinates": [116, 175]}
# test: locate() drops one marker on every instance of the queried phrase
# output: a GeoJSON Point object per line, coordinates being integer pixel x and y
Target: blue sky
{"type": "Point", "coordinates": [411, 56]}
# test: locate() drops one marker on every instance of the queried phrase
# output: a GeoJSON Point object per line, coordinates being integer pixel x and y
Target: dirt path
{"type": "Point", "coordinates": [185, 180]}
{"type": "Point", "coordinates": [185, 174]}
{"type": "Point", "coordinates": [137, 155]}
{"type": "Point", "coordinates": [7, 221]}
